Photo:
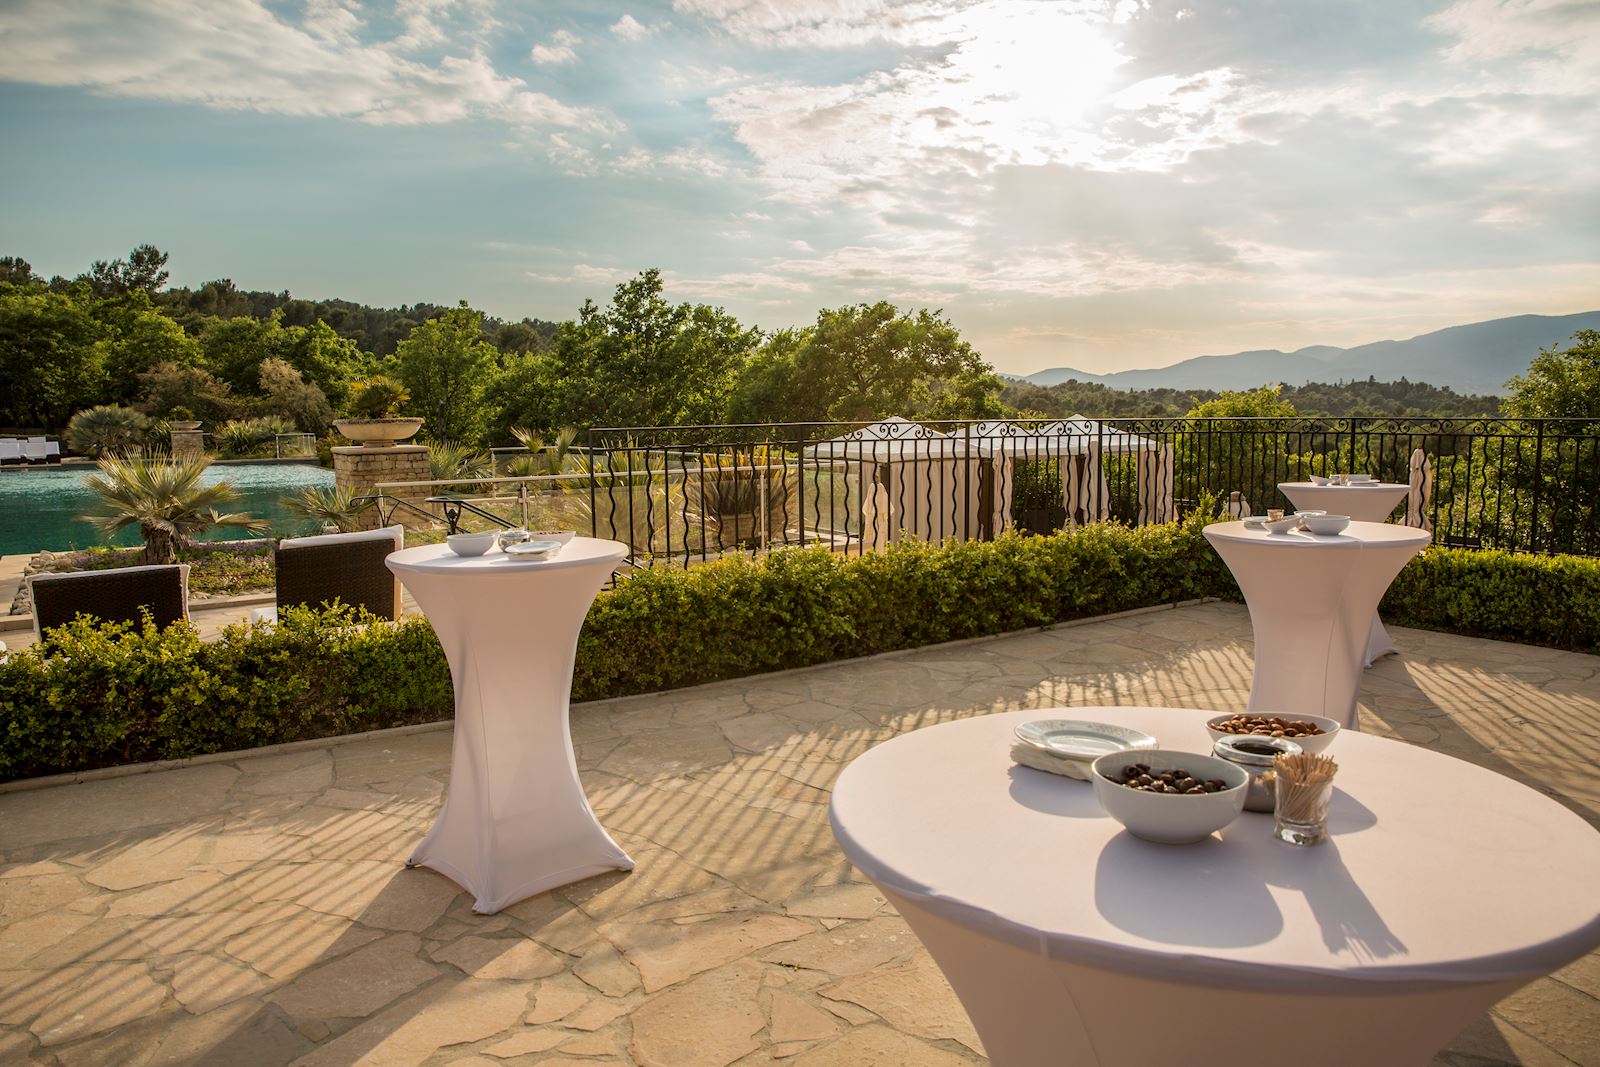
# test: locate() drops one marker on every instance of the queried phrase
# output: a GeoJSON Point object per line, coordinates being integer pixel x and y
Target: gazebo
{"type": "Point", "coordinates": [915, 482]}
{"type": "Point", "coordinates": [1081, 445]}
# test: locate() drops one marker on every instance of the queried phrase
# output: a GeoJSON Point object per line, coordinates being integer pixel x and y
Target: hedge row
{"type": "Point", "coordinates": [1533, 600]}
{"type": "Point", "coordinates": [113, 695]}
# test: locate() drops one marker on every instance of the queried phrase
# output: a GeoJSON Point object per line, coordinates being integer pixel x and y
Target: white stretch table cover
{"type": "Point", "coordinates": [1444, 887]}
{"type": "Point", "coordinates": [515, 820]}
{"type": "Point", "coordinates": [1363, 503]}
{"type": "Point", "coordinates": [1312, 600]}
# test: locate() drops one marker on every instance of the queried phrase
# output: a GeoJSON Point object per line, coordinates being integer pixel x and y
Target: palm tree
{"type": "Point", "coordinates": [100, 431]}
{"type": "Point", "coordinates": [164, 498]}
{"type": "Point", "coordinates": [328, 503]}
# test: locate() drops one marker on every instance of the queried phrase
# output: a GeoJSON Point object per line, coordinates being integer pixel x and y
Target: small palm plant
{"type": "Point", "coordinates": [326, 504]}
{"type": "Point", "coordinates": [449, 463]}
{"type": "Point", "coordinates": [545, 459]}
{"type": "Point", "coordinates": [108, 428]}
{"type": "Point", "coordinates": [165, 499]}
{"type": "Point", "coordinates": [377, 397]}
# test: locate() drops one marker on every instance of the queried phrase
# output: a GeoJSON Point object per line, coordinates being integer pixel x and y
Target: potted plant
{"type": "Point", "coordinates": [182, 419]}
{"type": "Point", "coordinates": [374, 423]}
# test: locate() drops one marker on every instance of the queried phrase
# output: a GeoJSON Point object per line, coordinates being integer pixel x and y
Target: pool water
{"type": "Point", "coordinates": [39, 509]}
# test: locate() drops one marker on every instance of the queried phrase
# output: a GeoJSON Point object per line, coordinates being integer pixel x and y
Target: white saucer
{"type": "Point", "coordinates": [1079, 739]}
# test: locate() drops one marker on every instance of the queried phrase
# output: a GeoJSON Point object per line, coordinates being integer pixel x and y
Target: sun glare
{"type": "Point", "coordinates": [1032, 74]}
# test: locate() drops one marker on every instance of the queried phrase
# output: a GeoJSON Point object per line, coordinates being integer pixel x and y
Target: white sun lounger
{"type": "Point", "coordinates": [10, 450]}
{"type": "Point", "coordinates": [52, 451]}
{"type": "Point", "coordinates": [33, 450]}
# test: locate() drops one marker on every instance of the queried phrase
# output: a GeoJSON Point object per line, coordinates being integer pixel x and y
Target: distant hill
{"type": "Point", "coordinates": [1476, 358]}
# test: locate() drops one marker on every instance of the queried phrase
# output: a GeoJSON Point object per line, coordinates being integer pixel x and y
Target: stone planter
{"type": "Point", "coordinates": [377, 433]}
{"type": "Point", "coordinates": [185, 426]}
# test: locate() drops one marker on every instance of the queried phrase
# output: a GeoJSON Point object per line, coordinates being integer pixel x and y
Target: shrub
{"type": "Point", "coordinates": [107, 429]}
{"type": "Point", "coordinates": [120, 694]}
{"type": "Point", "coordinates": [1543, 600]}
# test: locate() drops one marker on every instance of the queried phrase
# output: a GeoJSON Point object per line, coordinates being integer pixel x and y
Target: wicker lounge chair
{"type": "Point", "coordinates": [347, 567]}
{"type": "Point", "coordinates": [113, 596]}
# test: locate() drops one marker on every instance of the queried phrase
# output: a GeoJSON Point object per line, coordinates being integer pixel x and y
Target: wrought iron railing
{"type": "Point", "coordinates": [685, 494]}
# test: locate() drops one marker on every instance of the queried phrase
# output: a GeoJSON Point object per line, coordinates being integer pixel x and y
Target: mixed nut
{"type": "Point", "coordinates": [1267, 726]}
{"type": "Point", "coordinates": [1139, 776]}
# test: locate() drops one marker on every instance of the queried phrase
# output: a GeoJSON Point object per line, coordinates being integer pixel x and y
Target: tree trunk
{"type": "Point", "coordinates": [160, 546]}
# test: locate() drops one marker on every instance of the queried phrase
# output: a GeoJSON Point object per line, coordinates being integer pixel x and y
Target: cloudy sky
{"type": "Point", "coordinates": [1095, 184]}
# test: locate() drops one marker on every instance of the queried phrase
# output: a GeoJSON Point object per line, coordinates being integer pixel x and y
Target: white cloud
{"type": "Point", "coordinates": [557, 50]}
{"type": "Point", "coordinates": [631, 29]}
{"type": "Point", "coordinates": [238, 55]}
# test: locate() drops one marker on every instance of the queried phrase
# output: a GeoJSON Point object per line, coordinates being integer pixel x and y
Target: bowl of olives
{"type": "Point", "coordinates": [1169, 797]}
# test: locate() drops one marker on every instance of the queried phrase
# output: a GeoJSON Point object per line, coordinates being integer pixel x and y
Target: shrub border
{"type": "Point", "coordinates": [130, 770]}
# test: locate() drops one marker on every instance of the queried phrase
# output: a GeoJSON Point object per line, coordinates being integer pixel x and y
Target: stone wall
{"type": "Point", "coordinates": [188, 444]}
{"type": "Point", "coordinates": [359, 469]}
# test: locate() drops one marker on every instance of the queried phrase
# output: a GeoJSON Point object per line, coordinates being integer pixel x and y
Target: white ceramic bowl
{"type": "Point", "coordinates": [1326, 524]}
{"type": "Point", "coordinates": [1317, 479]}
{"type": "Point", "coordinates": [558, 536]}
{"type": "Point", "coordinates": [1310, 745]}
{"type": "Point", "coordinates": [1287, 524]}
{"type": "Point", "coordinates": [471, 544]}
{"type": "Point", "coordinates": [1170, 818]}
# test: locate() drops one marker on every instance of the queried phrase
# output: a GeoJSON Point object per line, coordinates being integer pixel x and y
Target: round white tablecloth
{"type": "Point", "coordinates": [1363, 503]}
{"type": "Point", "coordinates": [1443, 888]}
{"type": "Point", "coordinates": [515, 820]}
{"type": "Point", "coordinates": [1312, 600]}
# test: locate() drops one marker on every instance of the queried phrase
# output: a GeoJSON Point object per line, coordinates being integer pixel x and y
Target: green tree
{"type": "Point", "coordinates": [166, 388]}
{"type": "Point", "coordinates": [286, 393]}
{"type": "Point", "coordinates": [870, 361]}
{"type": "Point", "coordinates": [52, 361]}
{"type": "Point", "coordinates": [446, 368]}
{"type": "Point", "coordinates": [14, 270]}
{"type": "Point", "coordinates": [1560, 383]}
{"type": "Point", "coordinates": [644, 361]}
{"type": "Point", "coordinates": [1265, 402]}
{"type": "Point", "coordinates": [142, 271]}
{"type": "Point", "coordinates": [140, 339]}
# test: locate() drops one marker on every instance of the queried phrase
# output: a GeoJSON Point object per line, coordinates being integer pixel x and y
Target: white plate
{"type": "Point", "coordinates": [1079, 739]}
{"type": "Point", "coordinates": [532, 549]}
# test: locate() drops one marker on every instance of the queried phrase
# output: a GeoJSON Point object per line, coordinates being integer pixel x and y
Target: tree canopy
{"type": "Point", "coordinates": [1560, 383]}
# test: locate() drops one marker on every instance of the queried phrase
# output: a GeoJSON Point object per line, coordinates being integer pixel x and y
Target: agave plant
{"type": "Point", "coordinates": [325, 504]}
{"type": "Point", "coordinates": [108, 428]}
{"type": "Point", "coordinates": [165, 499]}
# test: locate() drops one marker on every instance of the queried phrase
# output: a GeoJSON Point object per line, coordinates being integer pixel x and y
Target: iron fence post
{"type": "Point", "coordinates": [1538, 483]}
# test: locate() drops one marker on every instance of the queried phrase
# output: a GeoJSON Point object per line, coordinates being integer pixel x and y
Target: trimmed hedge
{"type": "Point", "coordinates": [115, 695]}
{"type": "Point", "coordinates": [1533, 600]}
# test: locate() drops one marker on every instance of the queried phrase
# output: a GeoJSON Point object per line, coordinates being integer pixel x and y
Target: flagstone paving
{"type": "Point", "coordinates": [257, 911]}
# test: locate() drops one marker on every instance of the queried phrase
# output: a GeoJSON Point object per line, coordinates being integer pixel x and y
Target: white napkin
{"type": "Point", "coordinates": [1039, 760]}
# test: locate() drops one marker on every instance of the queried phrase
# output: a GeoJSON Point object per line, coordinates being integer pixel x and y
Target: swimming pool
{"type": "Point", "coordinates": [39, 509]}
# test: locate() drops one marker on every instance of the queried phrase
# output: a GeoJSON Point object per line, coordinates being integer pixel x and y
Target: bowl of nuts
{"type": "Point", "coordinates": [1312, 733]}
{"type": "Point", "coordinates": [1171, 798]}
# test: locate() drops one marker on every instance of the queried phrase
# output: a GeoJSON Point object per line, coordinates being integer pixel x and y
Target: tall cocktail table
{"type": "Point", "coordinates": [515, 820]}
{"type": "Point", "coordinates": [1443, 888]}
{"type": "Point", "coordinates": [1312, 600]}
{"type": "Point", "coordinates": [1373, 502]}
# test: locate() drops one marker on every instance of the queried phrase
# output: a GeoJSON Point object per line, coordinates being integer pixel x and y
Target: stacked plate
{"type": "Point", "coordinates": [1069, 746]}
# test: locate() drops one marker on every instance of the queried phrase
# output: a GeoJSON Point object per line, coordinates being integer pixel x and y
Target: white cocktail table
{"type": "Point", "coordinates": [1312, 600]}
{"type": "Point", "coordinates": [515, 820]}
{"type": "Point", "coordinates": [1363, 503]}
{"type": "Point", "coordinates": [1444, 887]}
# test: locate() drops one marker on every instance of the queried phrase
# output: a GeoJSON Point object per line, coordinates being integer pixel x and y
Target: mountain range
{"type": "Point", "coordinates": [1476, 358]}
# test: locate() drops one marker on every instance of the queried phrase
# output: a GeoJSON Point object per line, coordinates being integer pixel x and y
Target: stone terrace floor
{"type": "Point", "coordinates": [256, 911]}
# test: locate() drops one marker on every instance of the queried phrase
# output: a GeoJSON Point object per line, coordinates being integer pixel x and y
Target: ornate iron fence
{"type": "Point", "coordinates": [689, 493]}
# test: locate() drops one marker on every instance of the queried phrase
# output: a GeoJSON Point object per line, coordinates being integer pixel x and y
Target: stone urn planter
{"type": "Point", "coordinates": [185, 426]}
{"type": "Point", "coordinates": [377, 433]}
